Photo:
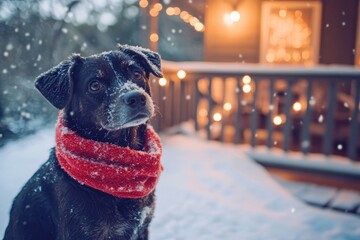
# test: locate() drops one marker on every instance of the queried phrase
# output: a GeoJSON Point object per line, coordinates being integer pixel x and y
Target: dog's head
{"type": "Point", "coordinates": [110, 89]}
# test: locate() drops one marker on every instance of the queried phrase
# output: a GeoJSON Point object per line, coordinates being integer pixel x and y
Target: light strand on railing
{"type": "Point", "coordinates": [246, 81]}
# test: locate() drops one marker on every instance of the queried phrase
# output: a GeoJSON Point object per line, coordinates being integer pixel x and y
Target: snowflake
{"type": "Point", "coordinates": [321, 118]}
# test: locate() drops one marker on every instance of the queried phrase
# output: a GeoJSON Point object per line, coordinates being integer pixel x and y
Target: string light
{"type": "Point", "coordinates": [227, 106]}
{"type": "Point", "coordinates": [154, 37]}
{"type": "Point", "coordinates": [158, 7]}
{"type": "Point", "coordinates": [170, 11]}
{"type": "Point", "coordinates": [246, 88]}
{"type": "Point", "coordinates": [143, 3]}
{"type": "Point", "coordinates": [153, 12]}
{"type": "Point", "coordinates": [176, 11]}
{"type": "Point", "coordinates": [277, 120]}
{"type": "Point", "coordinates": [199, 27]}
{"type": "Point", "coordinates": [296, 106]}
{"type": "Point", "coordinates": [217, 117]}
{"type": "Point", "coordinates": [181, 74]}
{"type": "Point", "coordinates": [162, 82]}
{"type": "Point", "coordinates": [246, 79]}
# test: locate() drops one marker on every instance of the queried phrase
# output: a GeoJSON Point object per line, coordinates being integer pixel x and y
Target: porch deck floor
{"type": "Point", "coordinates": [339, 199]}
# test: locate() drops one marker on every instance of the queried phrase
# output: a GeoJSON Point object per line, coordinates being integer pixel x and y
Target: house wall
{"type": "Point", "coordinates": [240, 42]}
{"type": "Point", "coordinates": [338, 33]}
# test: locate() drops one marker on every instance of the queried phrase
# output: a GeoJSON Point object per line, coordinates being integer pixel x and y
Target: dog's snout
{"type": "Point", "coordinates": [135, 99]}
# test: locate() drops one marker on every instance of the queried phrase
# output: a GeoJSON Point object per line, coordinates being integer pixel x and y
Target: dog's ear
{"type": "Point", "coordinates": [151, 60]}
{"type": "Point", "coordinates": [56, 84]}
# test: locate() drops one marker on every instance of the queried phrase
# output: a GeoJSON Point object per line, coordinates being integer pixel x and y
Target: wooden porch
{"type": "Point", "coordinates": [301, 123]}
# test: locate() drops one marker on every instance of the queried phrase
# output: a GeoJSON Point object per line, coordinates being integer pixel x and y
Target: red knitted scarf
{"type": "Point", "coordinates": [115, 170]}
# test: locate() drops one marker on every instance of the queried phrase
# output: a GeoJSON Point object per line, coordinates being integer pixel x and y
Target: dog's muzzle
{"type": "Point", "coordinates": [132, 108]}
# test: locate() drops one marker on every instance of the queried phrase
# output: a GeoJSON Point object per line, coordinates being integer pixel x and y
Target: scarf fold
{"type": "Point", "coordinates": [119, 171]}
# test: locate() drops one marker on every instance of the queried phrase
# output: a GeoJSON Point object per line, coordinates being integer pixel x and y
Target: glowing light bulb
{"type": "Point", "coordinates": [296, 106]}
{"type": "Point", "coordinates": [153, 12]}
{"type": "Point", "coordinates": [246, 79]}
{"type": "Point", "coordinates": [143, 3]}
{"type": "Point", "coordinates": [158, 7]}
{"type": "Point", "coordinates": [217, 117]}
{"type": "Point", "coordinates": [235, 16]}
{"type": "Point", "coordinates": [170, 11]}
{"type": "Point", "coordinates": [199, 27]}
{"type": "Point", "coordinates": [181, 74]}
{"type": "Point", "coordinates": [227, 106]}
{"type": "Point", "coordinates": [246, 88]}
{"type": "Point", "coordinates": [154, 37]}
{"type": "Point", "coordinates": [162, 82]}
{"type": "Point", "coordinates": [277, 120]}
{"type": "Point", "coordinates": [177, 11]}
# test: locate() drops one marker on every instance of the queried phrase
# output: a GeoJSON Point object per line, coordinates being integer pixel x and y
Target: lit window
{"type": "Point", "coordinates": [290, 32]}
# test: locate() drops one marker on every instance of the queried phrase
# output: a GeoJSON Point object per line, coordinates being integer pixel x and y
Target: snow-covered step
{"type": "Point", "coordinates": [295, 188]}
{"type": "Point", "coordinates": [318, 195]}
{"type": "Point", "coordinates": [346, 200]}
{"type": "Point", "coordinates": [340, 199]}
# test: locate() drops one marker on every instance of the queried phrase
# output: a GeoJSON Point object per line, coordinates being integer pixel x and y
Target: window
{"type": "Point", "coordinates": [290, 32]}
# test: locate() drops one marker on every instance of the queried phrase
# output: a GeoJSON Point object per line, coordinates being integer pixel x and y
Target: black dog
{"type": "Point", "coordinates": [96, 105]}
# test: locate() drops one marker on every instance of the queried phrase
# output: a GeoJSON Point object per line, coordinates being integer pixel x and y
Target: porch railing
{"type": "Point", "coordinates": [296, 109]}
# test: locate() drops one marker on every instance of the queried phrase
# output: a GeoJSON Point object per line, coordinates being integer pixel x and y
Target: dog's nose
{"type": "Point", "coordinates": [135, 99]}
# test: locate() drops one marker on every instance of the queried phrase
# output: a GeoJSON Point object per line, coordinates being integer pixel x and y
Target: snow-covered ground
{"type": "Point", "coordinates": [207, 191]}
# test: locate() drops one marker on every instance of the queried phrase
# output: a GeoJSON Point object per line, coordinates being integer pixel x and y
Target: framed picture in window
{"type": "Point", "coordinates": [290, 32]}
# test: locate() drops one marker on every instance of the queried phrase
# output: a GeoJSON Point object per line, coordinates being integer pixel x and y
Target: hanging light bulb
{"type": "Point", "coordinates": [235, 16]}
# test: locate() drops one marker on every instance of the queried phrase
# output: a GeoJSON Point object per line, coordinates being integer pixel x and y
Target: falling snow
{"type": "Point", "coordinates": [312, 101]}
{"type": "Point", "coordinates": [65, 30]}
{"type": "Point", "coordinates": [305, 144]}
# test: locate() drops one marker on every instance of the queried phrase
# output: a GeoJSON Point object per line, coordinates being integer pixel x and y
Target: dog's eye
{"type": "Point", "coordinates": [95, 86]}
{"type": "Point", "coordinates": [137, 75]}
